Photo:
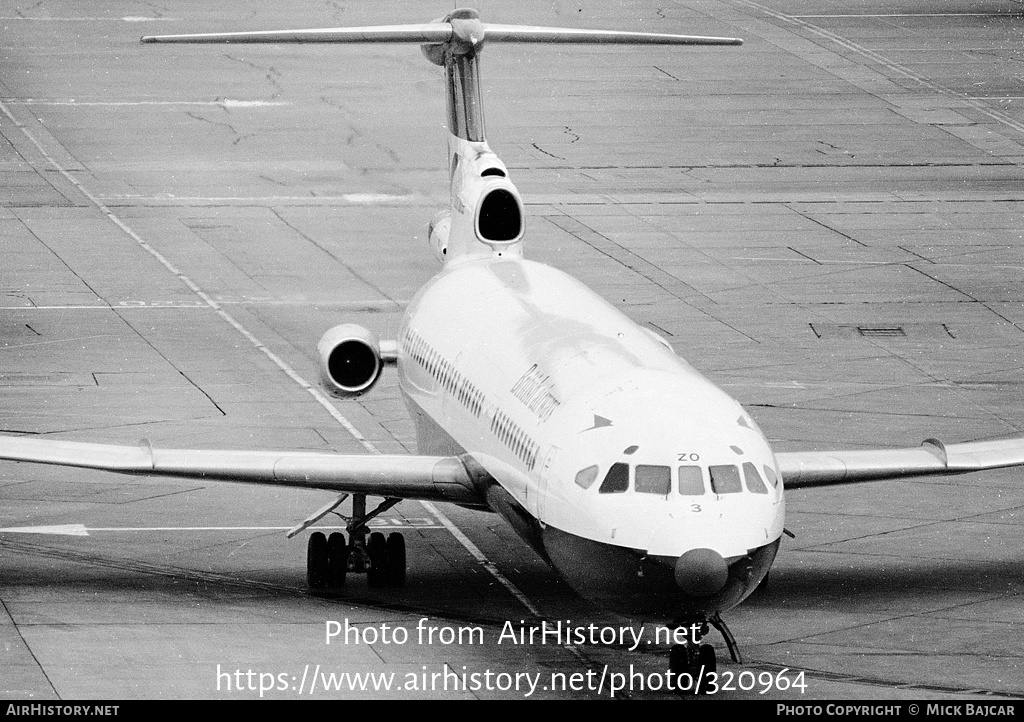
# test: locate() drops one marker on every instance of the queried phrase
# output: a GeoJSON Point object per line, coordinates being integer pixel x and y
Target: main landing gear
{"type": "Point", "coordinates": [694, 666]}
{"type": "Point", "coordinates": [329, 559]}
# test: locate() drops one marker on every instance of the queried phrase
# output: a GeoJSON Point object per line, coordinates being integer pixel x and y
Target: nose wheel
{"type": "Point", "coordinates": [693, 665]}
{"type": "Point", "coordinates": [329, 560]}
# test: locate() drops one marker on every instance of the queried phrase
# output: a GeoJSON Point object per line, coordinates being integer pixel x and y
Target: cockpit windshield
{"type": "Point", "coordinates": [686, 479]}
{"type": "Point", "coordinates": [653, 479]}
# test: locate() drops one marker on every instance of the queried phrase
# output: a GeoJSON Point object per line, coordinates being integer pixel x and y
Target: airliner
{"type": "Point", "coordinates": [650, 490]}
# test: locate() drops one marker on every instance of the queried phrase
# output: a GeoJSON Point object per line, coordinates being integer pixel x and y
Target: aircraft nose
{"type": "Point", "coordinates": [701, 572]}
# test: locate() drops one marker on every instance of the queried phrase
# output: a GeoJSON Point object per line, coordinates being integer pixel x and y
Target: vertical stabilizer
{"type": "Point", "coordinates": [485, 215]}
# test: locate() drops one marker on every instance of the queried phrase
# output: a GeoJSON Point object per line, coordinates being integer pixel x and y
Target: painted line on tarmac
{"type": "Point", "coordinates": [999, 116]}
{"type": "Point", "coordinates": [128, 19]}
{"type": "Point", "coordinates": [223, 103]}
{"type": "Point", "coordinates": [319, 396]}
{"type": "Point", "coordinates": [194, 287]}
{"type": "Point", "coordinates": [83, 530]}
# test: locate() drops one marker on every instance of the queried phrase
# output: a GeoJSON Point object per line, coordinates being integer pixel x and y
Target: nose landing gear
{"type": "Point", "coordinates": [382, 559]}
{"type": "Point", "coordinates": [692, 663]}
{"type": "Point", "coordinates": [694, 666]}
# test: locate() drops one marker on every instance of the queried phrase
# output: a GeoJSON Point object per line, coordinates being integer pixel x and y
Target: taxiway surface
{"type": "Point", "coordinates": [826, 221]}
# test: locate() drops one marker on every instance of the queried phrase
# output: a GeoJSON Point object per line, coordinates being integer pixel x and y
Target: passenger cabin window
{"type": "Point", "coordinates": [691, 480]}
{"type": "Point", "coordinates": [653, 479]}
{"type": "Point", "coordinates": [725, 479]}
{"type": "Point", "coordinates": [755, 484]}
{"type": "Point", "coordinates": [616, 481]}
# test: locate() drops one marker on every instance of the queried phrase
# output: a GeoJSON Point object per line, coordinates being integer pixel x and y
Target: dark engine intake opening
{"type": "Point", "coordinates": [353, 365]}
{"type": "Point", "coordinates": [350, 360]}
{"type": "Point", "coordinates": [500, 218]}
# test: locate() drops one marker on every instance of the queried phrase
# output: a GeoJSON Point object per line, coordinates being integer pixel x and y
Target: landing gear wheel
{"type": "Point", "coordinates": [681, 669]}
{"type": "Point", "coordinates": [377, 551]}
{"type": "Point", "coordinates": [692, 667]}
{"type": "Point", "coordinates": [337, 560]}
{"type": "Point", "coordinates": [395, 572]}
{"type": "Point", "coordinates": [707, 664]}
{"type": "Point", "coordinates": [677, 662]}
{"type": "Point", "coordinates": [316, 561]}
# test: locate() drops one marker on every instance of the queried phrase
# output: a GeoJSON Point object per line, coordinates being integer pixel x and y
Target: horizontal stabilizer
{"type": "Point", "coordinates": [425, 33]}
{"type": "Point", "coordinates": [525, 34]}
{"type": "Point", "coordinates": [443, 32]}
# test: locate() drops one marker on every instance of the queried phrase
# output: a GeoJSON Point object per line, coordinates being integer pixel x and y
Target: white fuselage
{"type": "Point", "coordinates": [540, 380]}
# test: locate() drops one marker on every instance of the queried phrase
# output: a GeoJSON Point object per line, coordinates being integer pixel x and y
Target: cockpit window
{"type": "Point", "coordinates": [725, 479]}
{"type": "Point", "coordinates": [691, 480]}
{"type": "Point", "coordinates": [754, 482]}
{"type": "Point", "coordinates": [586, 477]}
{"type": "Point", "coordinates": [616, 481]}
{"type": "Point", "coordinates": [653, 479]}
{"type": "Point", "coordinates": [769, 474]}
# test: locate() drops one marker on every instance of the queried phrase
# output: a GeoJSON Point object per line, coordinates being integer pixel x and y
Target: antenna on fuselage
{"type": "Point", "coordinates": [486, 213]}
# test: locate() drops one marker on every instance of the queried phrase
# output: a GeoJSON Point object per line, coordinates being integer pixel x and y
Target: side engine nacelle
{"type": "Point", "coordinates": [350, 360]}
{"type": "Point", "coordinates": [437, 234]}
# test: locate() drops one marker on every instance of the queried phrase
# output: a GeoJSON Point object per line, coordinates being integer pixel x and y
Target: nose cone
{"type": "Point", "coordinates": [701, 572]}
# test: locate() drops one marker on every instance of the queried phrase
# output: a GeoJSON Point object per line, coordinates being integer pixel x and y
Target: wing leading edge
{"type": "Point", "coordinates": [445, 478]}
{"type": "Point", "coordinates": [820, 468]}
{"type": "Point", "coordinates": [434, 478]}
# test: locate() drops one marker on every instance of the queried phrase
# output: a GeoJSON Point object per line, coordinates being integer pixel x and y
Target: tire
{"type": "Point", "coordinates": [680, 669]}
{"type": "Point", "coordinates": [377, 551]}
{"type": "Point", "coordinates": [707, 664]}
{"type": "Point", "coordinates": [316, 561]}
{"type": "Point", "coordinates": [396, 560]}
{"type": "Point", "coordinates": [337, 560]}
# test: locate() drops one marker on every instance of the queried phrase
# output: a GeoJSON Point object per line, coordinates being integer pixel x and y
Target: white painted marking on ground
{"type": "Point", "coordinates": [896, 68]}
{"type": "Point", "coordinates": [82, 530]}
{"type": "Point", "coordinates": [129, 19]}
{"type": "Point", "coordinates": [912, 15]}
{"type": "Point", "coordinates": [194, 287]}
{"type": "Point", "coordinates": [339, 305]}
{"type": "Point", "coordinates": [61, 529]}
{"type": "Point", "coordinates": [223, 103]}
{"type": "Point", "coordinates": [355, 199]}
{"type": "Point", "coordinates": [482, 558]}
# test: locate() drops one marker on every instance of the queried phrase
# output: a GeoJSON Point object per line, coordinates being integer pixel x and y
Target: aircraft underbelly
{"type": "Point", "coordinates": [632, 583]}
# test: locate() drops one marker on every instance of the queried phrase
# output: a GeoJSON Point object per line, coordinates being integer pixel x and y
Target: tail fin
{"type": "Point", "coordinates": [485, 214]}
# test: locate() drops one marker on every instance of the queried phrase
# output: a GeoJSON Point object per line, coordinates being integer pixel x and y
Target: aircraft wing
{"type": "Point", "coordinates": [820, 468]}
{"type": "Point", "coordinates": [435, 478]}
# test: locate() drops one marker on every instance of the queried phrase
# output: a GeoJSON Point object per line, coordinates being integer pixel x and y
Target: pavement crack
{"type": "Point", "coordinates": [270, 74]}
{"type": "Point", "coordinates": [239, 137]}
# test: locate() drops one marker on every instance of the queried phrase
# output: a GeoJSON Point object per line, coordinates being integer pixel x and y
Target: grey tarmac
{"type": "Point", "coordinates": [827, 221]}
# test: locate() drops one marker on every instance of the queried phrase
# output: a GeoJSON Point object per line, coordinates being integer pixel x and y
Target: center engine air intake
{"type": "Point", "coordinates": [500, 216]}
{"type": "Point", "coordinates": [350, 360]}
